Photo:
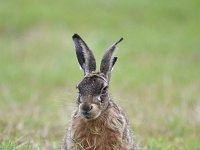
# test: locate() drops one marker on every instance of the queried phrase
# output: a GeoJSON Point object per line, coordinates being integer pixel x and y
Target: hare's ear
{"type": "Point", "coordinates": [84, 55]}
{"type": "Point", "coordinates": [108, 60]}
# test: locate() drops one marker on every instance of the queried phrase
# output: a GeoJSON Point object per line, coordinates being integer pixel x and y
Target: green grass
{"type": "Point", "coordinates": [156, 79]}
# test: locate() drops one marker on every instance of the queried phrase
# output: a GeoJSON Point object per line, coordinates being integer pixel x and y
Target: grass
{"type": "Point", "coordinates": [156, 79]}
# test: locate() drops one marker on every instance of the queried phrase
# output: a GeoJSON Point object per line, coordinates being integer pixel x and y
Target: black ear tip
{"type": "Point", "coordinates": [119, 41]}
{"type": "Point", "coordinates": [75, 36]}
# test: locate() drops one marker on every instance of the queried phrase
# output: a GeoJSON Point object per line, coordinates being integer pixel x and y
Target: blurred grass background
{"type": "Point", "coordinates": [156, 79]}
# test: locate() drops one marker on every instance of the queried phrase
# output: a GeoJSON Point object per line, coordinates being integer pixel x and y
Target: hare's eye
{"type": "Point", "coordinates": [80, 99]}
{"type": "Point", "coordinates": [98, 98]}
{"type": "Point", "coordinates": [104, 90]}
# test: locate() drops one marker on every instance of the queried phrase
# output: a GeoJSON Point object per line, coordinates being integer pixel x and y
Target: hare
{"type": "Point", "coordinates": [97, 123]}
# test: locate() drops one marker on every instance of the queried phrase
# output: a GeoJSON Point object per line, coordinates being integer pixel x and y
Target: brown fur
{"type": "Point", "coordinates": [110, 131]}
{"type": "Point", "coordinates": [98, 123]}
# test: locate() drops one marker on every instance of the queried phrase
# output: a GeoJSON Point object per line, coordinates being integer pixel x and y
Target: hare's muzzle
{"type": "Point", "coordinates": [85, 107]}
{"type": "Point", "coordinates": [89, 111]}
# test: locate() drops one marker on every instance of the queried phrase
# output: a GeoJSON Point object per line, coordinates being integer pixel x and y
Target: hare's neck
{"type": "Point", "coordinates": [110, 125]}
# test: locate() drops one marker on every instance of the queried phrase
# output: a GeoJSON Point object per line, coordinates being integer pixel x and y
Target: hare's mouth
{"type": "Point", "coordinates": [90, 116]}
{"type": "Point", "coordinates": [87, 116]}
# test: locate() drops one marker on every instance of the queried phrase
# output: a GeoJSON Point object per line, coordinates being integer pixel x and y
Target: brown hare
{"type": "Point", "coordinates": [97, 123]}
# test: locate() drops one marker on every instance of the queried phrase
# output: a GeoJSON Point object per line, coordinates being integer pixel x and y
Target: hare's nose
{"type": "Point", "coordinates": [86, 107]}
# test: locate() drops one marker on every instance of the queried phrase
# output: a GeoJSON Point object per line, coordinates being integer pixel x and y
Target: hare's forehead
{"type": "Point", "coordinates": [91, 86]}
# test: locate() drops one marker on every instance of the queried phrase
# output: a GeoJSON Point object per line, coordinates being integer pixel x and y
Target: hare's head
{"type": "Point", "coordinates": [93, 97]}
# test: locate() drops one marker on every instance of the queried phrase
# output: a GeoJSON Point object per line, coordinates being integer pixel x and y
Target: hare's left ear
{"type": "Point", "coordinates": [108, 61]}
{"type": "Point", "coordinates": [84, 55]}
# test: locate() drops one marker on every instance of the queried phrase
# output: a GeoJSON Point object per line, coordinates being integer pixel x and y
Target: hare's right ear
{"type": "Point", "coordinates": [84, 55]}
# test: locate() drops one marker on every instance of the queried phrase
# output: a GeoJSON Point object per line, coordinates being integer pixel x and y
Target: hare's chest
{"type": "Point", "coordinates": [96, 139]}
